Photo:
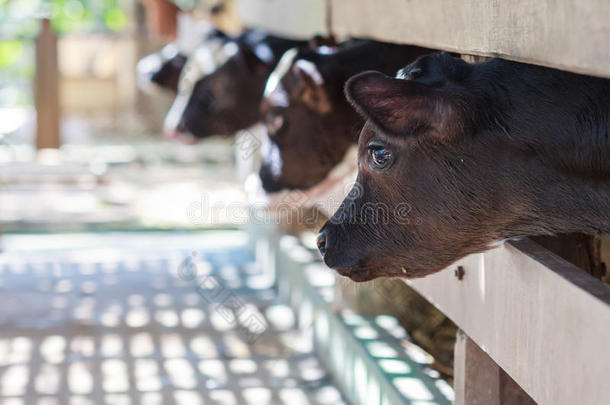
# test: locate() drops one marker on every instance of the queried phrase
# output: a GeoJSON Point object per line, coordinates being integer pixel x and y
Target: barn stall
{"type": "Point", "coordinates": [517, 342]}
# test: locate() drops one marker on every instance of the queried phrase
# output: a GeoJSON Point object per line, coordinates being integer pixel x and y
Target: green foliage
{"type": "Point", "coordinates": [10, 52]}
{"type": "Point", "coordinates": [19, 18]}
{"type": "Point", "coordinates": [115, 19]}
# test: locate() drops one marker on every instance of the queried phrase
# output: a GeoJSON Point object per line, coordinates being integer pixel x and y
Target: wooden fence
{"type": "Point", "coordinates": [526, 315]}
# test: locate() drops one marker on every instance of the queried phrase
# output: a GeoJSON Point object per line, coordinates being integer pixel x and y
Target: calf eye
{"type": "Point", "coordinates": [380, 156]}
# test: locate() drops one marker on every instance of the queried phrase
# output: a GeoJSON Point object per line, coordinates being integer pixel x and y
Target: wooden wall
{"type": "Point", "coordinates": [565, 34]}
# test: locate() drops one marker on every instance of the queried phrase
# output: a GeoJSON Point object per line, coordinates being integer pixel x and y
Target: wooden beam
{"type": "Point", "coordinates": [562, 34]}
{"type": "Point", "coordinates": [46, 88]}
{"type": "Point", "coordinates": [544, 321]}
{"type": "Point", "coordinates": [582, 250]}
{"type": "Point", "coordinates": [294, 18]}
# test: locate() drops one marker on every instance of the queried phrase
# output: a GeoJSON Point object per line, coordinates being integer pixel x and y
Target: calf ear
{"type": "Point", "coordinates": [400, 107]}
{"type": "Point", "coordinates": [310, 86]}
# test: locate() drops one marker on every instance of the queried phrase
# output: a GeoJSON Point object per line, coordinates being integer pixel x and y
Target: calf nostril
{"type": "Point", "coordinates": [321, 242]}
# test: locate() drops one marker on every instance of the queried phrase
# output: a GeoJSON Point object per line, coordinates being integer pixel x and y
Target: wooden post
{"type": "Point", "coordinates": [583, 251]}
{"type": "Point", "coordinates": [476, 376]}
{"type": "Point", "coordinates": [46, 92]}
{"type": "Point", "coordinates": [480, 381]}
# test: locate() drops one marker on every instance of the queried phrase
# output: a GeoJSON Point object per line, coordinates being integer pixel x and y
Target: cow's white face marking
{"type": "Point", "coordinates": [311, 70]}
{"type": "Point", "coordinates": [150, 64]}
{"type": "Point", "coordinates": [326, 50]}
{"type": "Point", "coordinates": [206, 59]}
{"type": "Point", "coordinates": [145, 68]}
{"type": "Point", "coordinates": [264, 53]}
{"type": "Point", "coordinates": [174, 115]}
{"type": "Point", "coordinates": [407, 74]}
{"type": "Point", "coordinates": [274, 91]}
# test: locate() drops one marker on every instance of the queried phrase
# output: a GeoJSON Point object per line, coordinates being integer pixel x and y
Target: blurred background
{"type": "Point", "coordinates": [112, 168]}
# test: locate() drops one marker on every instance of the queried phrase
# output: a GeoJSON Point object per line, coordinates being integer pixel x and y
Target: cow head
{"type": "Point", "coordinates": [163, 68]}
{"type": "Point", "coordinates": [455, 157]}
{"type": "Point", "coordinates": [222, 85]}
{"type": "Point", "coordinates": [305, 114]}
{"type": "Point", "coordinates": [310, 125]}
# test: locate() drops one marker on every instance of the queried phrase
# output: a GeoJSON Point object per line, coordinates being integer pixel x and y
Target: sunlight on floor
{"type": "Point", "coordinates": [118, 321]}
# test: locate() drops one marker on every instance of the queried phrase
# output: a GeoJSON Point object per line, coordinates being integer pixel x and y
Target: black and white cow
{"type": "Point", "coordinates": [163, 68]}
{"type": "Point", "coordinates": [222, 84]}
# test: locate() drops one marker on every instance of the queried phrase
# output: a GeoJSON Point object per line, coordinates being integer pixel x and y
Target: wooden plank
{"type": "Point", "coordinates": [582, 250]}
{"type": "Point", "coordinates": [46, 88]}
{"type": "Point", "coordinates": [566, 34]}
{"type": "Point", "coordinates": [561, 34]}
{"type": "Point", "coordinates": [294, 18]}
{"type": "Point", "coordinates": [544, 321]}
{"type": "Point", "coordinates": [477, 376]}
{"type": "Point", "coordinates": [480, 381]}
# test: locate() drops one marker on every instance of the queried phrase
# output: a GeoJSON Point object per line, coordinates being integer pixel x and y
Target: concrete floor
{"type": "Point", "coordinates": [151, 318]}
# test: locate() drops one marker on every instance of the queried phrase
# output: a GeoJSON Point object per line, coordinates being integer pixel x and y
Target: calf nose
{"type": "Point", "coordinates": [179, 135]}
{"type": "Point", "coordinates": [173, 131]}
{"type": "Point", "coordinates": [321, 242]}
{"type": "Point", "coordinates": [171, 134]}
{"type": "Point", "coordinates": [337, 250]}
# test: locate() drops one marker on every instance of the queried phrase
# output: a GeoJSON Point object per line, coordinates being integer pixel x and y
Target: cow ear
{"type": "Point", "coordinates": [310, 86]}
{"type": "Point", "coordinates": [400, 107]}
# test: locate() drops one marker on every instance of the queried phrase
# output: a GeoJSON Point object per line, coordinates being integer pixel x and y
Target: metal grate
{"type": "Point", "coordinates": [128, 319]}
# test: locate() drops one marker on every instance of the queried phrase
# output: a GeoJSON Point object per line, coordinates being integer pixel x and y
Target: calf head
{"type": "Point", "coordinates": [305, 122]}
{"type": "Point", "coordinates": [163, 68]}
{"type": "Point", "coordinates": [222, 85]}
{"type": "Point", "coordinates": [455, 157]}
{"type": "Point", "coordinates": [310, 125]}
